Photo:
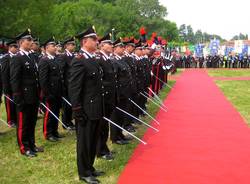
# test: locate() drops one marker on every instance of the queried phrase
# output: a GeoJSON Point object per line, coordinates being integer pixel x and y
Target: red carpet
{"type": "Point", "coordinates": [202, 139]}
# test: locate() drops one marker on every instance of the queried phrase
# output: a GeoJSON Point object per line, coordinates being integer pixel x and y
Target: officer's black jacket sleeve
{"type": "Point", "coordinates": [43, 70]}
{"type": "Point", "coordinates": [15, 78]}
{"type": "Point", "coordinates": [61, 61]}
{"type": "Point", "coordinates": [76, 81]}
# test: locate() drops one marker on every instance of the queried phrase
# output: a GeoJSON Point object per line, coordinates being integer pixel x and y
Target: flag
{"type": "Point", "coordinates": [199, 50]}
{"type": "Point", "coordinates": [245, 49]}
{"type": "Point", "coordinates": [214, 46]}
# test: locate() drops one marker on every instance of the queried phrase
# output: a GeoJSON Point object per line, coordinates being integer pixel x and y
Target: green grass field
{"type": "Point", "coordinates": [229, 73]}
{"type": "Point", "coordinates": [179, 72]}
{"type": "Point", "coordinates": [238, 92]}
{"type": "Point", "coordinates": [58, 163]}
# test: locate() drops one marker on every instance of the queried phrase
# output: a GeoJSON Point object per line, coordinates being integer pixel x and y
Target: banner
{"type": "Point", "coordinates": [245, 49]}
{"type": "Point", "coordinates": [214, 46]}
{"type": "Point", "coordinates": [228, 50]}
{"type": "Point", "coordinates": [199, 50]}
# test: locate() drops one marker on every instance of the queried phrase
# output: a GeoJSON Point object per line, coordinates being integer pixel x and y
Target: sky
{"type": "Point", "coordinates": [226, 18]}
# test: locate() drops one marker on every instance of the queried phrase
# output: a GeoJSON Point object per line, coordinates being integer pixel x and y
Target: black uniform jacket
{"type": "Point", "coordinates": [85, 86]}
{"type": "Point", "coordinates": [50, 78]}
{"type": "Point", "coordinates": [24, 79]}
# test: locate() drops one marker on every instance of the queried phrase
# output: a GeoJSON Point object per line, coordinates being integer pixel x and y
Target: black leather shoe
{"type": "Point", "coordinates": [131, 129]}
{"type": "Point", "coordinates": [98, 173]}
{"type": "Point", "coordinates": [121, 142]}
{"type": "Point", "coordinates": [58, 136]}
{"type": "Point", "coordinates": [90, 179]}
{"type": "Point", "coordinates": [127, 138]}
{"type": "Point", "coordinates": [38, 149]}
{"type": "Point", "coordinates": [70, 127]}
{"type": "Point", "coordinates": [52, 139]}
{"type": "Point", "coordinates": [108, 157]}
{"type": "Point", "coordinates": [29, 154]}
{"type": "Point", "coordinates": [137, 122]}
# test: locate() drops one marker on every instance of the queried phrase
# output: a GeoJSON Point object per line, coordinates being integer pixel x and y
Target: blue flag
{"type": "Point", "coordinates": [199, 50]}
{"type": "Point", "coordinates": [245, 49]}
{"type": "Point", "coordinates": [214, 46]}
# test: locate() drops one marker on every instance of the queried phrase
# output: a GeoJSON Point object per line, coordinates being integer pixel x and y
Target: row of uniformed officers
{"type": "Point", "coordinates": [213, 61]}
{"type": "Point", "coordinates": [87, 86]}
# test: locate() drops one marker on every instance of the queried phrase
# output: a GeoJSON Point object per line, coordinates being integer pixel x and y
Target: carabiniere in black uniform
{"type": "Point", "coordinates": [51, 80]}
{"type": "Point", "coordinates": [25, 87]}
{"type": "Point", "coordinates": [85, 86]}
{"type": "Point", "coordinates": [5, 75]}
{"type": "Point", "coordinates": [64, 61]}
{"type": "Point", "coordinates": [123, 90]}
{"type": "Point", "coordinates": [108, 94]}
{"type": "Point", "coordinates": [130, 60]}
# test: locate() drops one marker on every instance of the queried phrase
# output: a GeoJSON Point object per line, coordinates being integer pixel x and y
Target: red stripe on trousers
{"type": "Point", "coordinates": [45, 121]}
{"type": "Point", "coordinates": [20, 132]}
{"type": "Point", "coordinates": [8, 110]}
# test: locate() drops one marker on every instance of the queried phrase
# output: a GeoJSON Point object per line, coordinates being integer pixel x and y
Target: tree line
{"type": "Point", "coordinates": [63, 18]}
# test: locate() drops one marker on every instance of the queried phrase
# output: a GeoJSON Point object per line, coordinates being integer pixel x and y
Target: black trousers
{"type": "Point", "coordinates": [87, 136]}
{"type": "Point", "coordinates": [119, 118]}
{"type": "Point", "coordinates": [10, 110]}
{"type": "Point", "coordinates": [139, 100]}
{"type": "Point", "coordinates": [102, 148]}
{"type": "Point", "coordinates": [66, 114]}
{"type": "Point", "coordinates": [129, 107]}
{"type": "Point", "coordinates": [50, 123]}
{"type": "Point", "coordinates": [26, 123]}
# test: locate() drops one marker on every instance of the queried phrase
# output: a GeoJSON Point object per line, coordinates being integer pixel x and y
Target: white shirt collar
{"type": "Point", "coordinates": [11, 54]}
{"type": "Point", "coordinates": [24, 52]}
{"type": "Point", "coordinates": [89, 55]}
{"type": "Point", "coordinates": [105, 55]}
{"type": "Point", "coordinates": [68, 53]}
{"type": "Point", "coordinates": [127, 54]}
{"type": "Point", "coordinates": [136, 57]}
{"type": "Point", "coordinates": [50, 56]}
{"type": "Point", "coordinates": [118, 57]}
